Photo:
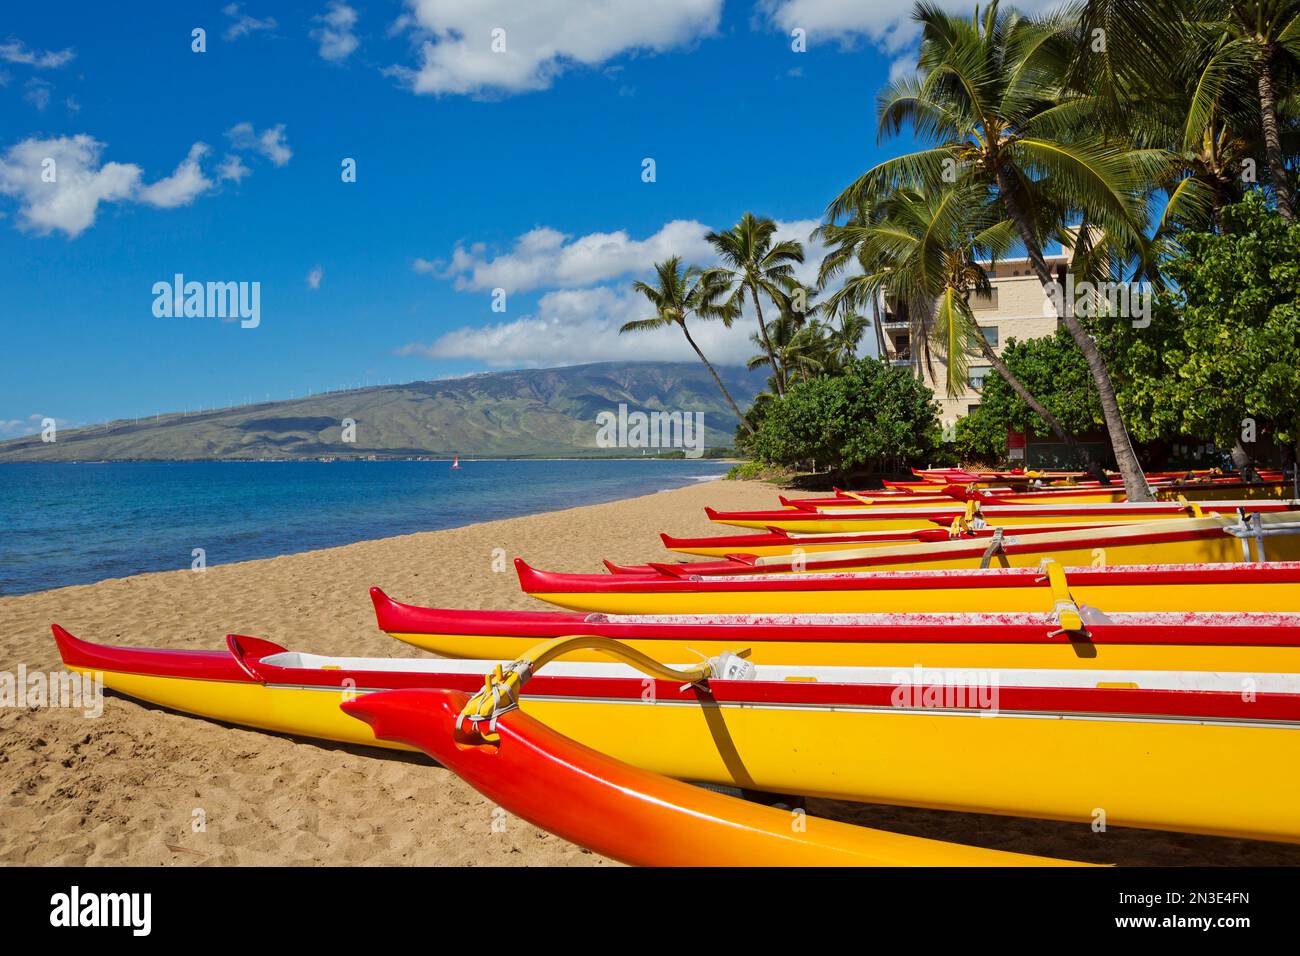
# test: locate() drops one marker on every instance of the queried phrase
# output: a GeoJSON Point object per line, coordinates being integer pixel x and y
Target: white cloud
{"type": "Point", "coordinates": [336, 39]}
{"type": "Point", "coordinates": [886, 23]}
{"type": "Point", "coordinates": [270, 142]}
{"type": "Point", "coordinates": [578, 320]}
{"type": "Point", "coordinates": [314, 277]}
{"type": "Point", "coordinates": [576, 326]}
{"type": "Point", "coordinates": [81, 182]}
{"type": "Point", "coordinates": [244, 24]}
{"type": "Point", "coordinates": [903, 67]}
{"type": "Point", "coordinates": [232, 167]}
{"type": "Point", "coordinates": [15, 51]}
{"type": "Point", "coordinates": [183, 186]}
{"type": "Point", "coordinates": [542, 39]}
{"type": "Point", "coordinates": [547, 258]}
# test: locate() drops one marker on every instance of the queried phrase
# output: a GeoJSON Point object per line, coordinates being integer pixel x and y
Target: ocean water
{"type": "Point", "coordinates": [64, 524]}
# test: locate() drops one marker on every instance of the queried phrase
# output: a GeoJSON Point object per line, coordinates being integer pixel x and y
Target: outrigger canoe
{"type": "Point", "coordinates": [1258, 586]}
{"type": "Point", "coordinates": [1064, 637]}
{"type": "Point", "coordinates": [1146, 745]}
{"type": "Point", "coordinates": [1223, 490]}
{"type": "Point", "coordinates": [776, 542]}
{"type": "Point", "coordinates": [852, 520]}
{"type": "Point", "coordinates": [633, 815]}
{"type": "Point", "coordinates": [1077, 496]}
{"type": "Point", "coordinates": [1177, 750]}
{"type": "Point", "coordinates": [782, 542]}
{"type": "Point", "coordinates": [1215, 539]}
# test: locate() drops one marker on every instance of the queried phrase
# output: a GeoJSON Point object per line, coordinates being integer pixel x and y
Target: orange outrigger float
{"type": "Point", "coordinates": [633, 815]}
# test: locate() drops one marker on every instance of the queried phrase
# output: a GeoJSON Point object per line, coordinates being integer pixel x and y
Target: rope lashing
{"type": "Point", "coordinates": [1067, 612]}
{"type": "Point", "coordinates": [995, 547]}
{"type": "Point", "coordinates": [501, 686]}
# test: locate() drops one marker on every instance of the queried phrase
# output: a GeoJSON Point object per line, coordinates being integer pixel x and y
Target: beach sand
{"type": "Point", "coordinates": [129, 787]}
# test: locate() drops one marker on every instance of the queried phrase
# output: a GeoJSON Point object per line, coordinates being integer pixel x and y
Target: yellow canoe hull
{"type": "Point", "coordinates": [1189, 541]}
{"type": "Point", "coordinates": [813, 544]}
{"type": "Point", "coordinates": [1182, 776]}
{"type": "Point", "coordinates": [1074, 497]}
{"type": "Point", "coordinates": [847, 524]}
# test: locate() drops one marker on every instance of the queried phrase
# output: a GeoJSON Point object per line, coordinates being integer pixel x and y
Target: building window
{"type": "Point", "coordinates": [990, 301]}
{"type": "Point", "coordinates": [975, 376]}
{"type": "Point", "coordinates": [990, 336]}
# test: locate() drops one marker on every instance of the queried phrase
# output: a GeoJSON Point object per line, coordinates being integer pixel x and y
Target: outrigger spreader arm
{"type": "Point", "coordinates": [501, 686]}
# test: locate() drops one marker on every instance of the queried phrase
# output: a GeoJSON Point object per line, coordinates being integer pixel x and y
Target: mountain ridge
{"type": "Point", "coordinates": [523, 413]}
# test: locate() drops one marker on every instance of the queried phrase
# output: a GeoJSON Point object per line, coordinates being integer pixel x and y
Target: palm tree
{"type": "Point", "coordinates": [992, 96]}
{"type": "Point", "coordinates": [802, 348]}
{"type": "Point", "coordinates": [754, 263]}
{"type": "Point", "coordinates": [1219, 62]}
{"type": "Point", "coordinates": [845, 339]}
{"type": "Point", "coordinates": [1268, 34]}
{"type": "Point", "coordinates": [925, 249]}
{"type": "Point", "coordinates": [680, 293]}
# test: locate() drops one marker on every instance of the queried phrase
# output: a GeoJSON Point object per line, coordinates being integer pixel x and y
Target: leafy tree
{"type": "Point", "coordinates": [872, 414]}
{"type": "Point", "coordinates": [1057, 374]}
{"type": "Point", "coordinates": [1223, 348]}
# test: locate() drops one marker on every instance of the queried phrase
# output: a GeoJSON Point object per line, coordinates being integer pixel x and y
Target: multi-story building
{"type": "Point", "coordinates": [1017, 307]}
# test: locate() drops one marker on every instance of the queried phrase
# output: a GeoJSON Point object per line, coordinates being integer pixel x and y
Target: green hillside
{"type": "Point", "coordinates": [526, 413]}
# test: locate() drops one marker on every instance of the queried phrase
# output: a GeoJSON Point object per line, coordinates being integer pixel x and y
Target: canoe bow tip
{"type": "Point", "coordinates": [385, 608]}
{"type": "Point", "coordinates": [70, 646]}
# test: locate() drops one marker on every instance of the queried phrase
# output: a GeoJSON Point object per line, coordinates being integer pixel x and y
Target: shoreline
{"type": "Point", "coordinates": [126, 788]}
{"type": "Point", "coordinates": [293, 511]}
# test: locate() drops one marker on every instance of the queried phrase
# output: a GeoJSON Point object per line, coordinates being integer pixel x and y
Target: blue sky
{"type": "Point", "coordinates": [475, 170]}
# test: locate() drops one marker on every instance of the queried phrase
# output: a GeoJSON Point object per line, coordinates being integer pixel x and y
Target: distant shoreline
{"type": "Point", "coordinates": [729, 460]}
{"type": "Point", "coordinates": [71, 525]}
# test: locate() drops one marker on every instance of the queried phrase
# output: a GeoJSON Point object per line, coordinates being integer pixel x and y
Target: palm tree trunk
{"type": "Point", "coordinates": [712, 371]}
{"type": "Point", "coordinates": [1135, 483]}
{"type": "Point", "coordinates": [875, 319]}
{"type": "Point", "coordinates": [1272, 137]}
{"type": "Point", "coordinates": [779, 381]}
{"type": "Point", "coordinates": [1080, 453]}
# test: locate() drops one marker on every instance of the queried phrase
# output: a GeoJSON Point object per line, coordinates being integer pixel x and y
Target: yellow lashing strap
{"type": "Point", "coordinates": [858, 498]}
{"type": "Point", "coordinates": [1192, 506]}
{"type": "Point", "coordinates": [964, 523]}
{"type": "Point", "coordinates": [501, 686]}
{"type": "Point", "coordinates": [1064, 607]}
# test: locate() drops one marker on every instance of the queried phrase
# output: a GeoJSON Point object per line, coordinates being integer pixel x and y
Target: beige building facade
{"type": "Point", "coordinates": [1017, 308]}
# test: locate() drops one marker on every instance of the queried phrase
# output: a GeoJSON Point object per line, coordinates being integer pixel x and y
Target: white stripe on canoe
{"type": "Point", "coordinates": [1230, 681]}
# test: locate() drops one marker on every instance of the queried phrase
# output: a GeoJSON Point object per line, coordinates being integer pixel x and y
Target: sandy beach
{"type": "Point", "coordinates": [125, 788]}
